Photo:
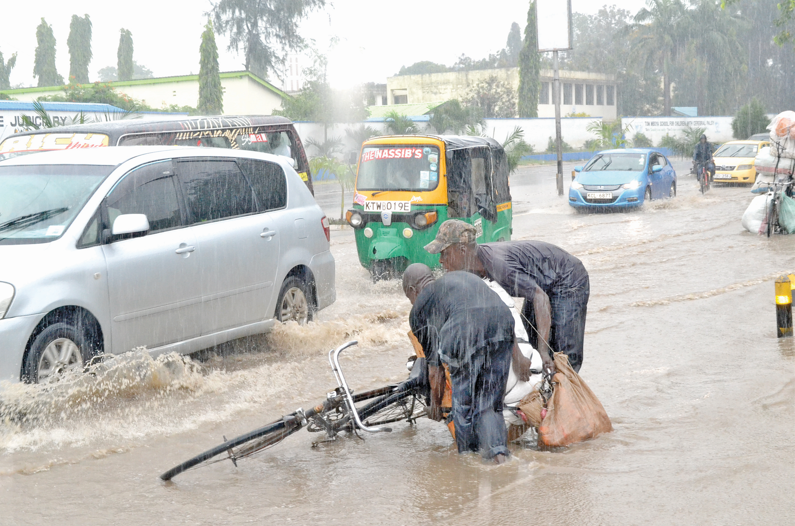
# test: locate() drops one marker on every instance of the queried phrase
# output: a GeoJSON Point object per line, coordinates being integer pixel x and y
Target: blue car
{"type": "Point", "coordinates": [622, 179]}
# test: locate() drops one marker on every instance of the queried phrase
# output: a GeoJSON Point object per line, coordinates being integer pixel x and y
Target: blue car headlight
{"type": "Point", "coordinates": [576, 186]}
{"type": "Point", "coordinates": [632, 185]}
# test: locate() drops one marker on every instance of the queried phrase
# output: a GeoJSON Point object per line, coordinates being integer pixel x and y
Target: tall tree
{"type": "Point", "coordinates": [44, 62]}
{"type": "Point", "coordinates": [211, 96]}
{"type": "Point", "coordinates": [124, 56]}
{"type": "Point", "coordinates": [514, 45]}
{"type": "Point", "coordinates": [656, 38]}
{"type": "Point", "coordinates": [265, 29]}
{"type": "Point", "coordinates": [529, 68]}
{"type": "Point", "coordinates": [5, 70]}
{"type": "Point", "coordinates": [79, 43]}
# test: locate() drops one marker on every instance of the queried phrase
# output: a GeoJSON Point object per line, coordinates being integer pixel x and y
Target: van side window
{"type": "Point", "coordinates": [215, 189]}
{"type": "Point", "coordinates": [151, 190]}
{"type": "Point", "coordinates": [268, 181]}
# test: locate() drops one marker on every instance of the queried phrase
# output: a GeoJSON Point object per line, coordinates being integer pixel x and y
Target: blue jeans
{"type": "Point", "coordinates": [478, 390]}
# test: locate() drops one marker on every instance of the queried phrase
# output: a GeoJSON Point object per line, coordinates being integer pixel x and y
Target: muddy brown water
{"type": "Point", "coordinates": [680, 348]}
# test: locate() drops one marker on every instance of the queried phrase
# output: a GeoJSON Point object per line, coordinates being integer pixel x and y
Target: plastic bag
{"type": "Point", "coordinates": [786, 214]}
{"type": "Point", "coordinates": [782, 134]}
{"type": "Point", "coordinates": [754, 216]}
{"type": "Point", "coordinates": [766, 162]}
{"type": "Point", "coordinates": [574, 413]}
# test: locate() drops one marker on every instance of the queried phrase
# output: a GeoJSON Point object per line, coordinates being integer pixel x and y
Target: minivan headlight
{"type": "Point", "coordinates": [632, 185]}
{"type": "Point", "coordinates": [6, 295]}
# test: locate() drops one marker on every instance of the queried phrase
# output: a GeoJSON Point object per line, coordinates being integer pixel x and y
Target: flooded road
{"type": "Point", "coordinates": [680, 348]}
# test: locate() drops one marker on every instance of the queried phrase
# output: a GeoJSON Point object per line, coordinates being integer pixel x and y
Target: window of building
{"type": "Point", "coordinates": [611, 95]}
{"type": "Point", "coordinates": [400, 96]}
{"type": "Point", "coordinates": [578, 89]}
{"type": "Point", "coordinates": [567, 94]}
{"type": "Point", "coordinates": [589, 94]}
{"type": "Point", "coordinates": [544, 99]}
{"type": "Point", "coordinates": [600, 95]}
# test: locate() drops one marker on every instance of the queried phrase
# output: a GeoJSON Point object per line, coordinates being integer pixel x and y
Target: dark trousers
{"type": "Point", "coordinates": [478, 390]}
{"type": "Point", "coordinates": [567, 333]}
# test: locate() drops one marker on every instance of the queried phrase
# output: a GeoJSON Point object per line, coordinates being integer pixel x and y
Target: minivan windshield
{"type": "Point", "coordinates": [621, 162]}
{"type": "Point", "coordinates": [39, 202]}
{"type": "Point", "coordinates": [399, 167]}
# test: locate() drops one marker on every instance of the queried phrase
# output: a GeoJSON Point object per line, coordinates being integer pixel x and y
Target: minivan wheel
{"type": "Point", "coordinates": [57, 349]}
{"type": "Point", "coordinates": [293, 304]}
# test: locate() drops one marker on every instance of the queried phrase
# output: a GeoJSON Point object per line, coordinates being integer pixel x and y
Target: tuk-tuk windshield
{"type": "Point", "coordinates": [399, 167]}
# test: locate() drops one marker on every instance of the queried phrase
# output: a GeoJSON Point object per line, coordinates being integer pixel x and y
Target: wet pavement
{"type": "Point", "coordinates": [680, 348]}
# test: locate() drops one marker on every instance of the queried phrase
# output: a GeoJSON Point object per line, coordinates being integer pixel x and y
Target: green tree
{"type": "Point", "coordinates": [656, 39]}
{"type": "Point", "coordinates": [109, 73]}
{"type": "Point", "coordinates": [513, 47]}
{"type": "Point", "coordinates": [211, 96]}
{"type": "Point", "coordinates": [749, 120]}
{"type": "Point", "coordinates": [263, 29]}
{"type": "Point", "coordinates": [398, 124]}
{"type": "Point", "coordinates": [5, 70]}
{"type": "Point", "coordinates": [529, 68]}
{"type": "Point", "coordinates": [124, 56]}
{"type": "Point", "coordinates": [493, 98]}
{"type": "Point", "coordinates": [44, 62]}
{"type": "Point", "coordinates": [453, 117]}
{"type": "Point", "coordinates": [79, 43]}
{"type": "Point", "coordinates": [424, 67]}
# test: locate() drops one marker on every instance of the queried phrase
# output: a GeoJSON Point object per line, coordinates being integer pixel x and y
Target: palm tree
{"type": "Point", "coordinates": [400, 124]}
{"type": "Point", "coordinates": [655, 39]}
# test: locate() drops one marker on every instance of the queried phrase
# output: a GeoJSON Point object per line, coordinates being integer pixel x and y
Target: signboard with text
{"type": "Point", "coordinates": [553, 18]}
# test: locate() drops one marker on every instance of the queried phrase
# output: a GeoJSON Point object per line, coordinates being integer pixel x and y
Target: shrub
{"type": "Point", "coordinates": [641, 141]}
{"type": "Point", "coordinates": [749, 120]}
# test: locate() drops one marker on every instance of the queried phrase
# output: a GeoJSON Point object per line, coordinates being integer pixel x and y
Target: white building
{"type": "Point", "coordinates": [244, 92]}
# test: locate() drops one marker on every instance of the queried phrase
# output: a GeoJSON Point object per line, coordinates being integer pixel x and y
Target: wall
{"type": "Point", "coordinates": [536, 131]}
{"type": "Point", "coordinates": [719, 129]}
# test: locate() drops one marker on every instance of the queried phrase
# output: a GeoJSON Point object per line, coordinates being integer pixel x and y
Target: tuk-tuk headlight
{"type": "Point", "coordinates": [423, 220]}
{"type": "Point", "coordinates": [355, 219]}
{"type": "Point", "coordinates": [368, 232]}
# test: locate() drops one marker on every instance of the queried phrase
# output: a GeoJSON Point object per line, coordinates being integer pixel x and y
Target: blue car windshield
{"type": "Point", "coordinates": [621, 162]}
{"type": "Point", "coordinates": [38, 203]}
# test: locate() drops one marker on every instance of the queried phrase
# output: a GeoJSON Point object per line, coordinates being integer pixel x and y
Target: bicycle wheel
{"type": "Point", "coordinates": [407, 407]}
{"type": "Point", "coordinates": [701, 183]}
{"type": "Point", "coordinates": [269, 435]}
{"type": "Point", "coordinates": [771, 215]}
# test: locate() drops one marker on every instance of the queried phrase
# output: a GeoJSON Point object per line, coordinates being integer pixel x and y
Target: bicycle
{"type": "Point", "coordinates": [774, 190]}
{"type": "Point", "coordinates": [337, 414]}
{"type": "Point", "coordinates": [703, 177]}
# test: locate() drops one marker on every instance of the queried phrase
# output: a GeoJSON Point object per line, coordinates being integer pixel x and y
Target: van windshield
{"type": "Point", "coordinates": [404, 167]}
{"type": "Point", "coordinates": [38, 203]}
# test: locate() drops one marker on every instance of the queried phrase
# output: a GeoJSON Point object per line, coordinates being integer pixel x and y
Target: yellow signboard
{"type": "Point", "coordinates": [53, 141]}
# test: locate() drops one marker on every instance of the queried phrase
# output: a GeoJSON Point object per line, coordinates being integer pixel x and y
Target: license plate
{"type": "Point", "coordinates": [600, 195]}
{"type": "Point", "coordinates": [722, 176]}
{"type": "Point", "coordinates": [387, 206]}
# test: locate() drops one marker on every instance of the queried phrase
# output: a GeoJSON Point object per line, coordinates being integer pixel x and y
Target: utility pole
{"type": "Point", "coordinates": [558, 134]}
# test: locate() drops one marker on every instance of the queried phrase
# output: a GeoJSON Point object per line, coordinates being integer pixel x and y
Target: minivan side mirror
{"type": "Point", "coordinates": [578, 168]}
{"type": "Point", "coordinates": [291, 162]}
{"type": "Point", "coordinates": [130, 224]}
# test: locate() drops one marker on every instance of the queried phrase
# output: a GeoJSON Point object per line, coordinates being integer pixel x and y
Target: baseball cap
{"type": "Point", "coordinates": [452, 232]}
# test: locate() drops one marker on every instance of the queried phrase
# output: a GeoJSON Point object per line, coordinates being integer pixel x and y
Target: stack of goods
{"type": "Point", "coordinates": [779, 158]}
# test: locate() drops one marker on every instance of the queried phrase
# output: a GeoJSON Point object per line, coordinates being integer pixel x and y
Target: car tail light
{"type": "Point", "coordinates": [326, 228]}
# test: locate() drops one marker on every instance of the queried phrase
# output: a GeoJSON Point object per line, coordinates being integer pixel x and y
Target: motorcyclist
{"type": "Point", "coordinates": [703, 156]}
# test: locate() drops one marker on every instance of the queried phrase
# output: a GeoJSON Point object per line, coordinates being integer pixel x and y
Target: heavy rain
{"type": "Point", "coordinates": [345, 135]}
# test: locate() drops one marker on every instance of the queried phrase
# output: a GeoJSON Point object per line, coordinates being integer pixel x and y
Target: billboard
{"type": "Point", "coordinates": [553, 18]}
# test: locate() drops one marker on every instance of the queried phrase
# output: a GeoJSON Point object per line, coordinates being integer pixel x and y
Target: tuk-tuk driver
{"type": "Point", "coordinates": [554, 284]}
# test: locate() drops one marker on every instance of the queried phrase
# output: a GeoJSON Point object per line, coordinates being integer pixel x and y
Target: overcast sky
{"type": "Point", "coordinates": [375, 38]}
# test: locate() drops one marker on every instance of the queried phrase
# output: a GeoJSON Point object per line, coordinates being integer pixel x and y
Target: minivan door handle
{"type": "Point", "coordinates": [267, 234]}
{"type": "Point", "coordinates": [185, 249]}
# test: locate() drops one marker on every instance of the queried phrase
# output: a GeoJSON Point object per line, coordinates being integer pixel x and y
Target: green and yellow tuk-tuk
{"type": "Point", "coordinates": [406, 186]}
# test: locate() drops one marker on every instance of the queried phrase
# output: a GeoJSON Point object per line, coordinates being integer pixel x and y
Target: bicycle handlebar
{"type": "Point", "coordinates": [333, 358]}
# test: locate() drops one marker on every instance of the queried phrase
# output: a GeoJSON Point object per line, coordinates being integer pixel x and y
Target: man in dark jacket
{"type": "Point", "coordinates": [703, 155]}
{"type": "Point", "coordinates": [554, 284]}
{"type": "Point", "coordinates": [461, 322]}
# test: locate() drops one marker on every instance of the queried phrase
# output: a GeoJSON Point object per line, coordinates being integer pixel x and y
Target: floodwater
{"type": "Point", "coordinates": [680, 348]}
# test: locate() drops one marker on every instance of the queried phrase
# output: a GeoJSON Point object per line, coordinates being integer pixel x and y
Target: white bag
{"type": "Point", "coordinates": [754, 215]}
{"type": "Point", "coordinates": [782, 135]}
{"type": "Point", "coordinates": [766, 162]}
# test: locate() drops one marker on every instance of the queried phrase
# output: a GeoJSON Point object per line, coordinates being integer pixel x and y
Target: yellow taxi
{"type": "Point", "coordinates": [734, 161]}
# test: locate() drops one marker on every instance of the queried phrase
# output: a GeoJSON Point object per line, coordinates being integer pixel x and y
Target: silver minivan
{"type": "Point", "coordinates": [174, 249]}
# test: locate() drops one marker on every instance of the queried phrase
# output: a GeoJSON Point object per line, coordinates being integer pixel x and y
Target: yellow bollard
{"type": "Point", "coordinates": [784, 306]}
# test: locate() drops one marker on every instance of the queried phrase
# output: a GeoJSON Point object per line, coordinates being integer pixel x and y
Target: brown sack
{"type": "Point", "coordinates": [574, 413]}
{"type": "Point", "coordinates": [532, 405]}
